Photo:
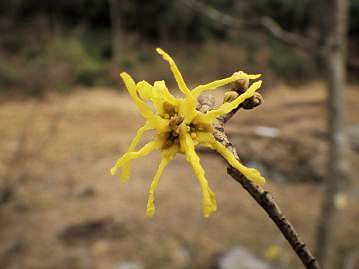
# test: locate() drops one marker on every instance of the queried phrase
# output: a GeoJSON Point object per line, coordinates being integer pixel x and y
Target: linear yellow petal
{"type": "Point", "coordinates": [208, 198]}
{"type": "Point", "coordinates": [128, 156]}
{"type": "Point", "coordinates": [147, 92]}
{"type": "Point", "coordinates": [131, 87]}
{"type": "Point", "coordinates": [213, 199]}
{"type": "Point", "coordinates": [221, 82]}
{"type": "Point", "coordinates": [225, 108]}
{"type": "Point", "coordinates": [160, 89]}
{"type": "Point", "coordinates": [176, 73]}
{"type": "Point", "coordinates": [126, 169]}
{"type": "Point", "coordinates": [187, 108]}
{"type": "Point", "coordinates": [156, 121]}
{"type": "Point", "coordinates": [250, 173]}
{"type": "Point", "coordinates": [206, 139]}
{"type": "Point", "coordinates": [167, 156]}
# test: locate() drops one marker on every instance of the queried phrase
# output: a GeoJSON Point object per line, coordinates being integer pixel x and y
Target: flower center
{"type": "Point", "coordinates": [172, 137]}
{"type": "Point", "coordinates": [176, 123]}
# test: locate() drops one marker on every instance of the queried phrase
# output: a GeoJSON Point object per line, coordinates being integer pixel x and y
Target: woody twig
{"type": "Point", "coordinates": [262, 197]}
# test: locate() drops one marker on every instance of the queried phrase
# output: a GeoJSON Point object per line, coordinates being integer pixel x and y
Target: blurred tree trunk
{"type": "Point", "coordinates": [335, 43]}
{"type": "Point", "coordinates": [116, 32]}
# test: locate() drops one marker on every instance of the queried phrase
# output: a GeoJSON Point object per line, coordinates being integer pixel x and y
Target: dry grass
{"type": "Point", "coordinates": [59, 175]}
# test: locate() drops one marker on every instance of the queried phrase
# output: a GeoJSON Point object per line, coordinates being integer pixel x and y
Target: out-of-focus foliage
{"type": "Point", "coordinates": [70, 41]}
{"type": "Point", "coordinates": [54, 61]}
{"type": "Point", "coordinates": [171, 18]}
{"type": "Point", "coordinates": [354, 18]}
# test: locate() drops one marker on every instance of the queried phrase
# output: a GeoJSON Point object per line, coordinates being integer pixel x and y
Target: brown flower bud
{"type": "Point", "coordinates": [240, 85]}
{"type": "Point", "coordinates": [230, 96]}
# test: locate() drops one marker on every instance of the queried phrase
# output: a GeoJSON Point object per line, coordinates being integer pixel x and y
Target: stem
{"type": "Point", "coordinates": [266, 201]}
{"type": "Point", "coordinates": [262, 197]}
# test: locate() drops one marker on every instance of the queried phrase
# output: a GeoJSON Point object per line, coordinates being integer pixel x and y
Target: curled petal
{"type": "Point", "coordinates": [225, 108]}
{"type": "Point", "coordinates": [208, 140]}
{"type": "Point", "coordinates": [126, 169]}
{"type": "Point", "coordinates": [208, 198]}
{"type": "Point", "coordinates": [131, 87]}
{"type": "Point", "coordinates": [221, 82]}
{"type": "Point", "coordinates": [156, 121]}
{"type": "Point", "coordinates": [176, 73]}
{"type": "Point", "coordinates": [187, 106]}
{"type": "Point", "coordinates": [213, 200]}
{"type": "Point", "coordinates": [147, 92]}
{"type": "Point", "coordinates": [250, 173]}
{"type": "Point", "coordinates": [145, 150]}
{"type": "Point", "coordinates": [160, 90]}
{"type": "Point", "coordinates": [167, 156]}
{"type": "Point", "coordinates": [205, 139]}
{"type": "Point", "coordinates": [158, 94]}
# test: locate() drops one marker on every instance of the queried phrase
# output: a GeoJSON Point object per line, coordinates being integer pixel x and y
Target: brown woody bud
{"type": "Point", "coordinates": [230, 96]}
{"type": "Point", "coordinates": [253, 102]}
{"type": "Point", "coordinates": [240, 85]}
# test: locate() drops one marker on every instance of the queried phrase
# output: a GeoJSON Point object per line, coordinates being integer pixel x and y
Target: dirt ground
{"type": "Point", "coordinates": [60, 208]}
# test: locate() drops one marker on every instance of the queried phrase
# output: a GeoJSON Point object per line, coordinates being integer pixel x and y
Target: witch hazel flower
{"type": "Point", "coordinates": [180, 128]}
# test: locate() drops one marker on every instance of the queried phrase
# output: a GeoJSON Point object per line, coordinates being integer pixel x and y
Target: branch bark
{"type": "Point", "coordinates": [290, 38]}
{"type": "Point", "coordinates": [262, 197]}
{"type": "Point", "coordinates": [266, 22]}
{"type": "Point", "coordinates": [213, 14]}
{"type": "Point", "coordinates": [267, 202]}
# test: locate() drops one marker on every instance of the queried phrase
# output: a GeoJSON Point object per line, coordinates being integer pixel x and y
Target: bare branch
{"type": "Point", "coordinates": [267, 202]}
{"type": "Point", "coordinates": [212, 13]}
{"type": "Point", "coordinates": [288, 37]}
{"type": "Point", "coordinates": [262, 197]}
{"type": "Point", "coordinates": [266, 22]}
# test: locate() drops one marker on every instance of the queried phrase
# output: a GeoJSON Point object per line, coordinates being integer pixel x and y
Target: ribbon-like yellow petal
{"type": "Point", "coordinates": [187, 106]}
{"type": "Point", "coordinates": [225, 108]}
{"type": "Point", "coordinates": [128, 156]}
{"type": "Point", "coordinates": [205, 139]}
{"type": "Point", "coordinates": [160, 90]}
{"type": "Point", "coordinates": [167, 156]}
{"type": "Point", "coordinates": [146, 112]}
{"type": "Point", "coordinates": [126, 169]}
{"type": "Point", "coordinates": [156, 121]}
{"type": "Point", "coordinates": [147, 92]}
{"type": "Point", "coordinates": [208, 140]}
{"type": "Point", "coordinates": [208, 198]}
{"type": "Point", "coordinates": [250, 173]}
{"type": "Point", "coordinates": [221, 82]}
{"type": "Point", "coordinates": [176, 73]}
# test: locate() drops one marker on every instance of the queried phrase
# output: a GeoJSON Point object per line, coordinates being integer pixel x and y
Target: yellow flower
{"type": "Point", "coordinates": [273, 252]}
{"type": "Point", "coordinates": [180, 128]}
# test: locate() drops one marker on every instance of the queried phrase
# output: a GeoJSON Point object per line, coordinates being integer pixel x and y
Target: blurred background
{"type": "Point", "coordinates": [65, 118]}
